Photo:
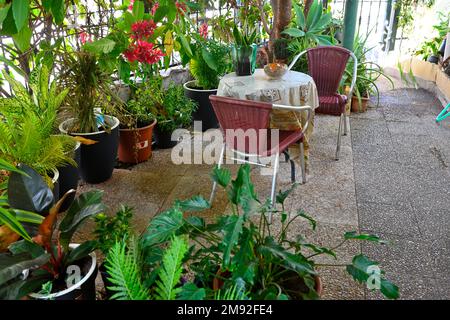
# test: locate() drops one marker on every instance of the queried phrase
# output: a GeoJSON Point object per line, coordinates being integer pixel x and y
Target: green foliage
{"type": "Point", "coordinates": [27, 124]}
{"type": "Point", "coordinates": [210, 61]}
{"type": "Point", "coordinates": [430, 47]}
{"type": "Point", "coordinates": [123, 266]}
{"type": "Point", "coordinates": [244, 37]}
{"type": "Point", "coordinates": [170, 107]}
{"type": "Point", "coordinates": [112, 229]}
{"type": "Point", "coordinates": [310, 31]}
{"type": "Point", "coordinates": [89, 87]}
{"type": "Point", "coordinates": [171, 269]}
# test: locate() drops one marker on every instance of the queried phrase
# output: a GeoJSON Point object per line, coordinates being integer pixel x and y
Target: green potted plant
{"type": "Point", "coordinates": [244, 50]}
{"type": "Point", "coordinates": [242, 249]}
{"type": "Point", "coordinates": [170, 107]}
{"type": "Point", "coordinates": [47, 256]}
{"type": "Point", "coordinates": [27, 124]}
{"type": "Point", "coordinates": [89, 97]}
{"type": "Point", "coordinates": [209, 60]}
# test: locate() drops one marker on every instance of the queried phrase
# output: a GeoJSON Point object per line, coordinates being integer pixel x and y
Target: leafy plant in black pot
{"type": "Point", "coordinates": [244, 50]}
{"type": "Point", "coordinates": [209, 61]}
{"type": "Point", "coordinates": [47, 255]}
{"type": "Point", "coordinates": [89, 96]}
{"type": "Point", "coordinates": [170, 107]}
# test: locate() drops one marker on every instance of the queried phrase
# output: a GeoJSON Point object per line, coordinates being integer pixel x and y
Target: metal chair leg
{"type": "Point", "coordinates": [302, 162]}
{"type": "Point", "coordinates": [338, 147]}
{"type": "Point", "coordinates": [274, 182]}
{"type": "Point", "coordinates": [292, 170]}
{"type": "Point", "coordinates": [219, 164]}
{"type": "Point", "coordinates": [345, 123]}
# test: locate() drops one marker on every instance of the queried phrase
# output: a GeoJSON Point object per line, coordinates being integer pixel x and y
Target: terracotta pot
{"type": "Point", "coordinates": [135, 145]}
{"type": "Point", "coordinates": [357, 107]}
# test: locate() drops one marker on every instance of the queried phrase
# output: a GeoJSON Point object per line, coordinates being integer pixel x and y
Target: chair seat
{"type": "Point", "coordinates": [268, 146]}
{"type": "Point", "coordinates": [332, 104]}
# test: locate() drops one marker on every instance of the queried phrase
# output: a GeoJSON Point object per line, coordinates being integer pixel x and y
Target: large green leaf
{"type": "Point", "coordinates": [22, 39]}
{"type": "Point", "coordinates": [30, 192]}
{"type": "Point", "coordinates": [359, 270]}
{"type": "Point", "coordinates": [232, 232]}
{"type": "Point", "coordinates": [322, 23]}
{"type": "Point", "coordinates": [58, 10]}
{"type": "Point", "coordinates": [10, 220]}
{"type": "Point", "coordinates": [100, 46]}
{"type": "Point", "coordinates": [13, 265]}
{"type": "Point", "coordinates": [291, 261]}
{"type": "Point", "coordinates": [28, 217]}
{"type": "Point", "coordinates": [20, 10]}
{"type": "Point", "coordinates": [221, 175]}
{"type": "Point", "coordinates": [4, 14]}
{"type": "Point", "coordinates": [209, 59]}
{"type": "Point", "coordinates": [5, 165]}
{"type": "Point", "coordinates": [83, 250]}
{"type": "Point", "coordinates": [191, 292]}
{"type": "Point", "coordinates": [242, 190]}
{"type": "Point", "coordinates": [138, 10]}
{"type": "Point", "coordinates": [186, 45]}
{"type": "Point", "coordinates": [160, 13]}
{"type": "Point", "coordinates": [294, 32]}
{"type": "Point", "coordinates": [196, 203]}
{"type": "Point", "coordinates": [314, 14]}
{"type": "Point", "coordinates": [163, 227]}
{"type": "Point", "coordinates": [86, 205]}
{"type": "Point", "coordinates": [23, 246]}
{"type": "Point", "coordinates": [299, 16]}
{"type": "Point", "coordinates": [364, 236]}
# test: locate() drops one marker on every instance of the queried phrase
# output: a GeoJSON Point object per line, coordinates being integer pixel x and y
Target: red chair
{"type": "Point", "coordinates": [245, 126]}
{"type": "Point", "coordinates": [326, 65]}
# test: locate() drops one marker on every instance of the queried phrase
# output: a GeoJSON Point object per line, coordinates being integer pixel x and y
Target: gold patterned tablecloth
{"type": "Point", "coordinates": [293, 89]}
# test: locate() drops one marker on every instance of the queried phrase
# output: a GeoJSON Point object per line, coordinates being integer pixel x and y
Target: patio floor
{"type": "Point", "coordinates": [393, 179]}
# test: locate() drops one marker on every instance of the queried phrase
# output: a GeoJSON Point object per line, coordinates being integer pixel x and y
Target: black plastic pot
{"type": "Point", "coordinates": [205, 112]}
{"type": "Point", "coordinates": [163, 139]}
{"type": "Point", "coordinates": [69, 178]}
{"type": "Point", "coordinates": [84, 289]}
{"type": "Point", "coordinates": [433, 59]}
{"type": "Point", "coordinates": [97, 161]}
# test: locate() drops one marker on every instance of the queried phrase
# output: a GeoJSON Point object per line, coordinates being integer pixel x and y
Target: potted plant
{"type": "Point", "coordinates": [244, 50]}
{"type": "Point", "coordinates": [108, 231]}
{"type": "Point", "coordinates": [27, 123]}
{"type": "Point", "coordinates": [241, 249]}
{"type": "Point", "coordinates": [367, 74]}
{"type": "Point", "coordinates": [89, 96]}
{"type": "Point", "coordinates": [209, 61]}
{"type": "Point", "coordinates": [48, 257]}
{"type": "Point", "coordinates": [170, 107]}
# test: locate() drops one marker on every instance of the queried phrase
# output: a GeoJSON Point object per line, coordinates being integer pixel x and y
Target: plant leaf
{"type": "Point", "coordinates": [221, 175]}
{"type": "Point", "coordinates": [363, 236]}
{"type": "Point", "coordinates": [10, 220]}
{"type": "Point", "coordinates": [12, 265]}
{"type": "Point", "coordinates": [163, 227]}
{"type": "Point", "coordinates": [294, 32]}
{"type": "Point", "coordinates": [103, 45]}
{"type": "Point", "coordinates": [191, 292]}
{"type": "Point", "coordinates": [196, 203]}
{"type": "Point", "coordinates": [232, 231]}
{"type": "Point", "coordinates": [83, 250]}
{"type": "Point", "coordinates": [20, 9]}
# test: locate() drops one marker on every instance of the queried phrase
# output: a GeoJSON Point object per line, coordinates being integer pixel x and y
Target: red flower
{"type": "Point", "coordinates": [130, 7]}
{"type": "Point", "coordinates": [143, 29]}
{"type": "Point", "coordinates": [154, 8]}
{"type": "Point", "coordinates": [181, 7]}
{"type": "Point", "coordinates": [84, 37]}
{"type": "Point", "coordinates": [203, 30]}
{"type": "Point", "coordinates": [143, 52]}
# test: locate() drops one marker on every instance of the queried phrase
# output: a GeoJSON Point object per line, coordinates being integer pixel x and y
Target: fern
{"type": "Point", "coordinates": [122, 265]}
{"type": "Point", "coordinates": [170, 273]}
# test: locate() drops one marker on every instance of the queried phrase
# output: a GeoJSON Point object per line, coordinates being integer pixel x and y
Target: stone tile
{"type": "Point", "coordinates": [388, 219]}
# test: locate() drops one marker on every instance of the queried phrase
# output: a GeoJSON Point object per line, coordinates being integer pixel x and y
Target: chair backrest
{"type": "Point", "coordinates": [241, 114]}
{"type": "Point", "coordinates": [326, 65]}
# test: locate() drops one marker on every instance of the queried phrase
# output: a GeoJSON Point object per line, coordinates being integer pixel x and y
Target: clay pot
{"type": "Point", "coordinates": [135, 145]}
{"type": "Point", "coordinates": [357, 107]}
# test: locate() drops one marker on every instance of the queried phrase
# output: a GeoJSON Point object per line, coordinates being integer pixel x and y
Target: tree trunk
{"type": "Point", "coordinates": [307, 4]}
{"type": "Point", "coordinates": [281, 18]}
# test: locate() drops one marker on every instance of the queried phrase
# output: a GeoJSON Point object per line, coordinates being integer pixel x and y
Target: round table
{"type": "Point", "coordinates": [294, 89]}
